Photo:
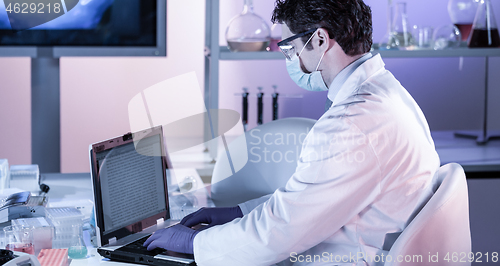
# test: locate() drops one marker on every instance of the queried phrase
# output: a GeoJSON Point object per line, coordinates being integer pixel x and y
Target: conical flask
{"type": "Point", "coordinates": [401, 28]}
{"type": "Point", "coordinates": [248, 32]}
{"type": "Point", "coordinates": [388, 41]}
{"type": "Point", "coordinates": [484, 29]}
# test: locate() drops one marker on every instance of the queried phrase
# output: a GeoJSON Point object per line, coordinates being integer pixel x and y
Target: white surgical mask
{"type": "Point", "coordinates": [312, 81]}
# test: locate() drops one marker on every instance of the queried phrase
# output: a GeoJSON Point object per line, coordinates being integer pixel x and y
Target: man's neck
{"type": "Point", "coordinates": [335, 61]}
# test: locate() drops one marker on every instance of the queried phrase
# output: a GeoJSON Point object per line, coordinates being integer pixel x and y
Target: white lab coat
{"type": "Point", "coordinates": [365, 169]}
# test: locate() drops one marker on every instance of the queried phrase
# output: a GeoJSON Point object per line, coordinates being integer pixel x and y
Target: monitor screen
{"type": "Point", "coordinates": [120, 27]}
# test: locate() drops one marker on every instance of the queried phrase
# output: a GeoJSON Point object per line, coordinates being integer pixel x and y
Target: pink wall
{"type": "Point", "coordinates": [15, 110]}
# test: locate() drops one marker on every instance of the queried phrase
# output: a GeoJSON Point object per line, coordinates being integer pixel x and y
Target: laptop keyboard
{"type": "Point", "coordinates": [138, 247]}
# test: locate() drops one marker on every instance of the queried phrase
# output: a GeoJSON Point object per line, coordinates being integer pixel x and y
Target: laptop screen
{"type": "Point", "coordinates": [130, 183]}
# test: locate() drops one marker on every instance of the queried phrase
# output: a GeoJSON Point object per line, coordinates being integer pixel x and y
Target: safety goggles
{"type": "Point", "coordinates": [286, 46]}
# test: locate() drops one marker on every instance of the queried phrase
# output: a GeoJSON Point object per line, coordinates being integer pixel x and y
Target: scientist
{"type": "Point", "coordinates": [348, 199]}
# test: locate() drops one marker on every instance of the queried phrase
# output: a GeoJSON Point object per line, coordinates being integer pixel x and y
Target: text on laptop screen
{"type": "Point", "coordinates": [131, 180]}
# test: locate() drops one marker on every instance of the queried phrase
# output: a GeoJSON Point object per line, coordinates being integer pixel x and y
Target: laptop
{"type": "Point", "coordinates": [129, 176]}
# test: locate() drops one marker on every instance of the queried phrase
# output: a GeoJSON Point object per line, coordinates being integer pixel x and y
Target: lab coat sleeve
{"type": "Point", "coordinates": [248, 206]}
{"type": "Point", "coordinates": [338, 175]}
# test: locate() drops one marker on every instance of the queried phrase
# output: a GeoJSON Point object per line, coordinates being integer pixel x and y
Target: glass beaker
{"type": "Point", "coordinates": [247, 32]}
{"type": "Point", "coordinates": [77, 248]}
{"type": "Point", "coordinates": [19, 238]}
{"type": "Point", "coordinates": [401, 32]}
{"type": "Point", "coordinates": [484, 29]}
{"type": "Point", "coordinates": [462, 13]}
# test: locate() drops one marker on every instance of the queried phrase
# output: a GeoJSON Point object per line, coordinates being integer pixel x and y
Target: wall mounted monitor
{"type": "Point", "coordinates": [83, 27]}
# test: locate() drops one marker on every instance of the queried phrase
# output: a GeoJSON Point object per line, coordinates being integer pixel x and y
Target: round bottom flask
{"type": "Point", "coordinates": [248, 32]}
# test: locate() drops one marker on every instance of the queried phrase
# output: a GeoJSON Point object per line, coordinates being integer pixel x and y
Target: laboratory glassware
{"type": "Point", "coordinates": [19, 238]}
{"type": "Point", "coordinates": [401, 30]}
{"type": "Point", "coordinates": [422, 36]}
{"type": "Point", "coordinates": [388, 41]}
{"type": "Point", "coordinates": [462, 13]}
{"type": "Point", "coordinates": [484, 30]}
{"type": "Point", "coordinates": [446, 37]}
{"type": "Point", "coordinates": [248, 32]}
{"type": "Point", "coordinates": [77, 248]}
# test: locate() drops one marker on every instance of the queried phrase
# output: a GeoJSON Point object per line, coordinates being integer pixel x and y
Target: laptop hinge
{"type": "Point", "coordinates": [160, 221]}
{"type": "Point", "coordinates": [112, 240]}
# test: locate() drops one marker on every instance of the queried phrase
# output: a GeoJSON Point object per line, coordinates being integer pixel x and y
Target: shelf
{"type": "Point", "coordinates": [225, 54]}
{"type": "Point", "coordinates": [458, 52]}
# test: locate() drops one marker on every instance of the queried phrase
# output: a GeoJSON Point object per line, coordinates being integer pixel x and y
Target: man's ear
{"type": "Point", "coordinates": [324, 42]}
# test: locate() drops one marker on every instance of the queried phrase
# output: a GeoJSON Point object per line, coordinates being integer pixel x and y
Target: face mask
{"type": "Point", "coordinates": [311, 82]}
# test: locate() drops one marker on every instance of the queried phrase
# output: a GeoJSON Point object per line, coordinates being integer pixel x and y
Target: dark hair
{"type": "Point", "coordinates": [349, 22]}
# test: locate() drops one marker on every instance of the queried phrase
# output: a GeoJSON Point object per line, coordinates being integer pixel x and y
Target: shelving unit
{"type": "Point", "coordinates": [214, 53]}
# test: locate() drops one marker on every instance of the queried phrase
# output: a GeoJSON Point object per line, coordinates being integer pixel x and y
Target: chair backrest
{"type": "Point", "coordinates": [440, 231]}
{"type": "Point", "coordinates": [273, 149]}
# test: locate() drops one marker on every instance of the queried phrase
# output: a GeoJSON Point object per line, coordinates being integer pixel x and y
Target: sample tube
{"type": "Point", "coordinates": [245, 108]}
{"type": "Point", "coordinates": [260, 106]}
{"type": "Point", "coordinates": [275, 103]}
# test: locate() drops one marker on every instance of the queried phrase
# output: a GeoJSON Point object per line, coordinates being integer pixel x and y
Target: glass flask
{"type": "Point", "coordinates": [462, 13]}
{"type": "Point", "coordinates": [77, 248]}
{"type": "Point", "coordinates": [387, 41]}
{"type": "Point", "coordinates": [446, 37]}
{"type": "Point", "coordinates": [248, 32]}
{"type": "Point", "coordinates": [401, 30]}
{"type": "Point", "coordinates": [484, 30]}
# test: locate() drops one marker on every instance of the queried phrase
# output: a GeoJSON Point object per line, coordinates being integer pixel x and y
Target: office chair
{"type": "Point", "coordinates": [441, 227]}
{"type": "Point", "coordinates": [273, 149]}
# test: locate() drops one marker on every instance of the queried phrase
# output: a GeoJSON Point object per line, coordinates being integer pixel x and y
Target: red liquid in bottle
{"type": "Point", "coordinates": [464, 30]}
{"type": "Point", "coordinates": [21, 247]}
{"type": "Point", "coordinates": [480, 38]}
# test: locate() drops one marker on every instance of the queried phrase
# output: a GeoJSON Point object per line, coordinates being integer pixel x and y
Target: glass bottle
{"type": "Point", "coordinates": [77, 248]}
{"type": "Point", "coordinates": [484, 29]}
{"type": "Point", "coordinates": [462, 13]}
{"type": "Point", "coordinates": [401, 32]}
{"type": "Point", "coordinates": [247, 32]}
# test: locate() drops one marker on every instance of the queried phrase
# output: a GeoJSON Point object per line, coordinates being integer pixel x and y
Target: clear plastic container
{"type": "Point", "coordinates": [43, 232]}
{"type": "Point", "coordinates": [63, 220]}
{"type": "Point", "coordinates": [25, 177]}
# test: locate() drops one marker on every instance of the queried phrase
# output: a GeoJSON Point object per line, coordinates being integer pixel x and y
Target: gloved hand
{"type": "Point", "coordinates": [212, 216]}
{"type": "Point", "coordinates": [178, 238]}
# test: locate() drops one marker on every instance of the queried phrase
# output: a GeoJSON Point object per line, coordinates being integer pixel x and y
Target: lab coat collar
{"type": "Point", "coordinates": [349, 79]}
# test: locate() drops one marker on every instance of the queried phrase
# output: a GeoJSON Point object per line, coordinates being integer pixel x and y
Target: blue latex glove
{"type": "Point", "coordinates": [178, 238]}
{"type": "Point", "coordinates": [212, 216]}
